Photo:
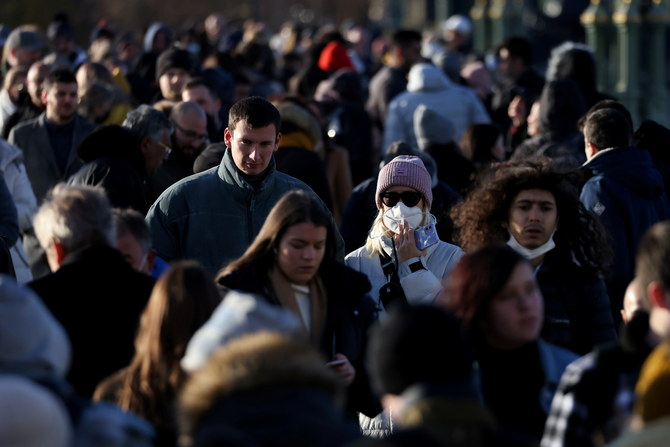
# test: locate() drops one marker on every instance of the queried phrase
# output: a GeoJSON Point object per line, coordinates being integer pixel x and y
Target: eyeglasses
{"type": "Point", "coordinates": [409, 198]}
{"type": "Point", "coordinates": [167, 150]}
{"type": "Point", "coordinates": [190, 133]}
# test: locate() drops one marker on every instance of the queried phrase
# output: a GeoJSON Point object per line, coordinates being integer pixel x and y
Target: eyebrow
{"type": "Point", "coordinates": [541, 202]}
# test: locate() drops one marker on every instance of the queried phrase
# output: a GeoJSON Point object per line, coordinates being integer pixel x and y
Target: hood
{"type": "Point", "coordinates": [151, 34]}
{"type": "Point", "coordinates": [285, 377]}
{"type": "Point", "coordinates": [426, 78]}
{"type": "Point", "coordinates": [112, 141]}
{"type": "Point", "coordinates": [574, 61]}
{"type": "Point", "coordinates": [431, 128]}
{"type": "Point", "coordinates": [30, 336]}
{"type": "Point", "coordinates": [8, 154]}
{"type": "Point", "coordinates": [561, 106]}
{"type": "Point", "coordinates": [630, 166]}
{"type": "Point", "coordinates": [238, 314]}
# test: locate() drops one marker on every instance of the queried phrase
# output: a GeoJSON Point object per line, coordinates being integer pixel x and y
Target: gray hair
{"type": "Point", "coordinates": [147, 122]}
{"type": "Point", "coordinates": [75, 216]}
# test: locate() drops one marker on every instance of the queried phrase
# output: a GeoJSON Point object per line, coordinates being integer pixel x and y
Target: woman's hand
{"type": "Point", "coordinates": [341, 365]}
{"type": "Point", "coordinates": [405, 244]}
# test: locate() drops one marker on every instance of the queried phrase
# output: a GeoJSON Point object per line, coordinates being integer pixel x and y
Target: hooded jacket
{"type": "Point", "coordinates": [213, 216]}
{"type": "Point", "coordinates": [428, 85]}
{"type": "Point", "coordinates": [18, 184]}
{"type": "Point", "coordinates": [627, 192]}
{"type": "Point", "coordinates": [118, 167]}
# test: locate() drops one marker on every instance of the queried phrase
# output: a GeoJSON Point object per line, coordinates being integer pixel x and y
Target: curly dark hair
{"type": "Point", "coordinates": [480, 219]}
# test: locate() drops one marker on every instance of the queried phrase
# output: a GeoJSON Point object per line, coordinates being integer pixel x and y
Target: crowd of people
{"type": "Point", "coordinates": [231, 235]}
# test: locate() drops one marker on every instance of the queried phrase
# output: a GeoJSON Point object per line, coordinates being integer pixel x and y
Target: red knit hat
{"type": "Point", "coordinates": [334, 57]}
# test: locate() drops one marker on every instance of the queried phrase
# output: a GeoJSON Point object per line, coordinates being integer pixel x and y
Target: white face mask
{"type": "Point", "coordinates": [532, 253]}
{"type": "Point", "coordinates": [393, 217]}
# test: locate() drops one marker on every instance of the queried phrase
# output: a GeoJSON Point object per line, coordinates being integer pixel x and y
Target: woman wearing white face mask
{"type": "Point", "coordinates": [403, 239]}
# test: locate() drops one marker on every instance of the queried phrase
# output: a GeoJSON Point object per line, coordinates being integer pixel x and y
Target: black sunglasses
{"type": "Point", "coordinates": [409, 198]}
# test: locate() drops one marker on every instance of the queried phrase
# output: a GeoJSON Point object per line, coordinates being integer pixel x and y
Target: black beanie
{"type": "Point", "coordinates": [174, 58]}
{"type": "Point", "coordinates": [418, 344]}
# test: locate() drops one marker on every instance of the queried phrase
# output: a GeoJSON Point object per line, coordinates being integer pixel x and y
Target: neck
{"type": "Point", "coordinates": [60, 120]}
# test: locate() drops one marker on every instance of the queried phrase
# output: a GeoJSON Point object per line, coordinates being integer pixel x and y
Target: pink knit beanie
{"type": "Point", "coordinates": [405, 170]}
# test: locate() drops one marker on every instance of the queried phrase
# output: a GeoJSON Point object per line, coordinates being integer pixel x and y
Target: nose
{"type": "Point", "coordinates": [534, 214]}
{"type": "Point", "coordinates": [253, 155]}
{"type": "Point", "coordinates": [308, 253]}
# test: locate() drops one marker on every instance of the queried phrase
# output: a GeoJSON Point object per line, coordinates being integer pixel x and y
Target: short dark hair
{"type": "Point", "coordinates": [518, 47]}
{"type": "Point", "coordinates": [653, 257]}
{"type": "Point", "coordinates": [405, 37]}
{"type": "Point", "coordinates": [61, 75]}
{"type": "Point", "coordinates": [256, 112]}
{"type": "Point", "coordinates": [130, 221]}
{"type": "Point", "coordinates": [200, 82]}
{"type": "Point", "coordinates": [606, 104]}
{"type": "Point", "coordinates": [607, 128]}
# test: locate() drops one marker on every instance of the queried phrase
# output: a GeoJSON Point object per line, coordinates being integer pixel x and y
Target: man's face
{"type": "Point", "coordinates": [172, 83]}
{"type": "Point", "coordinates": [156, 151]}
{"type": "Point", "coordinates": [190, 133]}
{"type": "Point", "coordinates": [252, 149]}
{"type": "Point", "coordinates": [133, 253]}
{"type": "Point", "coordinates": [509, 65]}
{"type": "Point", "coordinates": [35, 82]}
{"type": "Point", "coordinates": [63, 45]}
{"type": "Point", "coordinates": [411, 55]}
{"type": "Point", "coordinates": [23, 57]}
{"type": "Point", "coordinates": [533, 217]}
{"type": "Point", "coordinates": [61, 102]}
{"type": "Point", "coordinates": [201, 95]}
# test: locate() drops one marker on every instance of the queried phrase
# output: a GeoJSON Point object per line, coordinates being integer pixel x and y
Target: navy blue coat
{"type": "Point", "coordinates": [627, 192]}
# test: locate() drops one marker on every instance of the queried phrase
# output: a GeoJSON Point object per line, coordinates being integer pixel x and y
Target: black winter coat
{"type": "Point", "coordinates": [576, 306]}
{"type": "Point", "coordinates": [350, 314]}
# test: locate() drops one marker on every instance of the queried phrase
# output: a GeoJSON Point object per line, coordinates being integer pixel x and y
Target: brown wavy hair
{"type": "Point", "coordinates": [181, 301]}
{"type": "Point", "coordinates": [480, 219]}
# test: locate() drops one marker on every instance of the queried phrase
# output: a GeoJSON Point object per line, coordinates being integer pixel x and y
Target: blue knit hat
{"type": "Point", "coordinates": [405, 170]}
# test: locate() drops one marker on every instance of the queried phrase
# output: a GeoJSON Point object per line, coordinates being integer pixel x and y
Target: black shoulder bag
{"type": "Point", "coordinates": [391, 293]}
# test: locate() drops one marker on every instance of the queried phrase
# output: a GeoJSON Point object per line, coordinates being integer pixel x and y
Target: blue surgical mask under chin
{"type": "Point", "coordinates": [532, 253]}
{"type": "Point", "coordinates": [393, 217]}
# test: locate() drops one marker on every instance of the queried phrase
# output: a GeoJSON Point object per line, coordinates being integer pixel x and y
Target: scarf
{"type": "Point", "coordinates": [317, 293]}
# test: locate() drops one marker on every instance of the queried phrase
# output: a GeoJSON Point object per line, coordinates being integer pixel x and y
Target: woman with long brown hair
{"type": "Point", "coordinates": [181, 301]}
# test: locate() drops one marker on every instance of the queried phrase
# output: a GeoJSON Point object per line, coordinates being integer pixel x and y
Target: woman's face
{"type": "Point", "coordinates": [498, 149]}
{"type": "Point", "coordinates": [301, 251]}
{"type": "Point", "coordinates": [393, 195]}
{"type": "Point", "coordinates": [515, 314]}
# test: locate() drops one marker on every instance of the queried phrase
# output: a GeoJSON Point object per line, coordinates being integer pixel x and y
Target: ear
{"type": "Point", "coordinates": [43, 97]}
{"type": "Point", "coordinates": [657, 295]}
{"type": "Point", "coordinates": [144, 144]}
{"type": "Point", "coordinates": [227, 137]}
{"type": "Point", "coordinates": [277, 142]}
{"type": "Point", "coordinates": [590, 149]}
{"type": "Point", "coordinates": [151, 260]}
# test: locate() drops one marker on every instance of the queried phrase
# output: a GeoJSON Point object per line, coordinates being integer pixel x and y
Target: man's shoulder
{"type": "Point", "coordinates": [25, 127]}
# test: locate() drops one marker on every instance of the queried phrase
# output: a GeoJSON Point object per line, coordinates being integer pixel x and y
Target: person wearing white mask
{"type": "Point", "coordinates": [534, 207]}
{"type": "Point", "coordinates": [403, 257]}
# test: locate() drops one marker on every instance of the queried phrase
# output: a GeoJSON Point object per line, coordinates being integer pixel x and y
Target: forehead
{"type": "Point", "coordinates": [242, 130]}
{"type": "Point", "coordinates": [191, 121]}
{"type": "Point", "coordinates": [64, 87]}
{"type": "Point", "coordinates": [535, 195]}
{"type": "Point", "coordinates": [399, 188]}
{"type": "Point", "coordinates": [175, 72]}
{"type": "Point", "coordinates": [198, 91]}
